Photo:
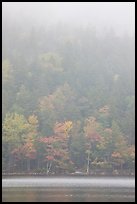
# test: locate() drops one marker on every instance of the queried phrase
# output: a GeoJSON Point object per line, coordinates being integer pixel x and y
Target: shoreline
{"type": "Point", "coordinates": [67, 175]}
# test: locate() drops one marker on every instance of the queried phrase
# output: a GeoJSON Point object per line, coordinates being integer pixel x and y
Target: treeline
{"type": "Point", "coordinates": [68, 100]}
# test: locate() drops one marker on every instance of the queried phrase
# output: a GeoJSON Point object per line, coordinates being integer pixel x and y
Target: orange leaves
{"type": "Point", "coordinates": [125, 155]}
{"type": "Point", "coordinates": [63, 128]}
{"type": "Point", "coordinates": [27, 150]}
{"type": "Point", "coordinates": [90, 125]}
{"type": "Point", "coordinates": [116, 155]}
{"type": "Point", "coordinates": [51, 140]}
{"type": "Point", "coordinates": [118, 158]}
{"type": "Point", "coordinates": [91, 129]}
{"type": "Point", "coordinates": [56, 146]}
{"type": "Point", "coordinates": [59, 128]}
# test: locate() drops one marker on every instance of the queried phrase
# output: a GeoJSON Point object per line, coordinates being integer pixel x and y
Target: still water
{"type": "Point", "coordinates": [68, 189]}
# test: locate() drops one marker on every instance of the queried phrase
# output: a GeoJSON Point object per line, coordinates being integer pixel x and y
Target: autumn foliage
{"type": "Point", "coordinates": [102, 147]}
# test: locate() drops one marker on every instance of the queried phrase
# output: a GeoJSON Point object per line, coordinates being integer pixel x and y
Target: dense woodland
{"type": "Point", "coordinates": [67, 100]}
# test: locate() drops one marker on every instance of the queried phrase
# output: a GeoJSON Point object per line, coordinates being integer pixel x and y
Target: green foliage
{"type": "Point", "coordinates": [14, 128]}
{"type": "Point", "coordinates": [74, 76]}
{"type": "Point", "coordinates": [6, 71]}
{"type": "Point", "coordinates": [51, 61]}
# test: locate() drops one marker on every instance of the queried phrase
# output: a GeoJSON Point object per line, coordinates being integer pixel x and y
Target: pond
{"type": "Point", "coordinates": [68, 189]}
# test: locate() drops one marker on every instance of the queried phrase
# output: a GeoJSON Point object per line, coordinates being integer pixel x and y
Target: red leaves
{"type": "Point", "coordinates": [27, 150]}
{"type": "Point", "coordinates": [53, 148]}
{"type": "Point", "coordinates": [52, 139]}
{"type": "Point", "coordinates": [47, 140]}
{"type": "Point", "coordinates": [50, 158]}
{"type": "Point", "coordinates": [56, 147]}
{"type": "Point", "coordinates": [59, 153]}
{"type": "Point", "coordinates": [94, 136]}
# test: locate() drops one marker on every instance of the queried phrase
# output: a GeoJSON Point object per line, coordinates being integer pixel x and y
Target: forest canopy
{"type": "Point", "coordinates": [68, 99]}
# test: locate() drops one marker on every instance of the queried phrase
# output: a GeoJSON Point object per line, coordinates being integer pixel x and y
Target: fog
{"type": "Point", "coordinates": [68, 101]}
{"type": "Point", "coordinates": [117, 16]}
{"type": "Point", "coordinates": [69, 182]}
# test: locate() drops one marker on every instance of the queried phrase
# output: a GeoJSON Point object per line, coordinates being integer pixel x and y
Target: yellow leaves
{"type": "Point", "coordinates": [100, 164]}
{"type": "Point", "coordinates": [102, 144]}
{"type": "Point", "coordinates": [63, 128]}
{"type": "Point", "coordinates": [131, 151]}
{"type": "Point", "coordinates": [106, 139]}
{"type": "Point", "coordinates": [15, 129]}
{"type": "Point", "coordinates": [33, 120]}
{"type": "Point", "coordinates": [121, 143]}
{"type": "Point", "coordinates": [51, 61]}
{"type": "Point", "coordinates": [104, 109]}
{"type": "Point", "coordinates": [6, 71]}
{"type": "Point", "coordinates": [118, 157]}
{"type": "Point", "coordinates": [32, 128]}
{"type": "Point", "coordinates": [68, 126]}
{"type": "Point", "coordinates": [91, 125]}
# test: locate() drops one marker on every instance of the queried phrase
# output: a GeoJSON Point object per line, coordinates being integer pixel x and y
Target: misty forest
{"type": "Point", "coordinates": [67, 100]}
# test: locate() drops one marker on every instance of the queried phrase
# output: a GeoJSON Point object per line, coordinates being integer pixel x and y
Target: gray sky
{"type": "Point", "coordinates": [103, 15]}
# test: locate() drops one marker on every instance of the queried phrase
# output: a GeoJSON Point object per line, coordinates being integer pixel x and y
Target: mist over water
{"type": "Point", "coordinates": [110, 189]}
{"type": "Point", "coordinates": [69, 182]}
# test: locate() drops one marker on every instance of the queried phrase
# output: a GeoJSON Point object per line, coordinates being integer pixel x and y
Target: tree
{"type": "Point", "coordinates": [93, 137]}
{"type": "Point", "coordinates": [51, 61]}
{"type": "Point", "coordinates": [56, 148]}
{"type": "Point", "coordinates": [29, 147]}
{"type": "Point", "coordinates": [14, 129]}
{"type": "Point", "coordinates": [119, 145]}
{"type": "Point", "coordinates": [77, 145]}
{"type": "Point", "coordinates": [70, 75]}
{"type": "Point", "coordinates": [18, 138]}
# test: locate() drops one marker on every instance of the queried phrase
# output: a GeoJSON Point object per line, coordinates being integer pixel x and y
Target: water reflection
{"type": "Point", "coordinates": [70, 192]}
{"type": "Point", "coordinates": [68, 195]}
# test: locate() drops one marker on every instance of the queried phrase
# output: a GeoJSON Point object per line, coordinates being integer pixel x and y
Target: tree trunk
{"type": "Point", "coordinates": [38, 164]}
{"type": "Point", "coordinates": [11, 163]}
{"type": "Point", "coordinates": [48, 167]}
{"type": "Point", "coordinates": [28, 164]}
{"type": "Point", "coordinates": [88, 163]}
